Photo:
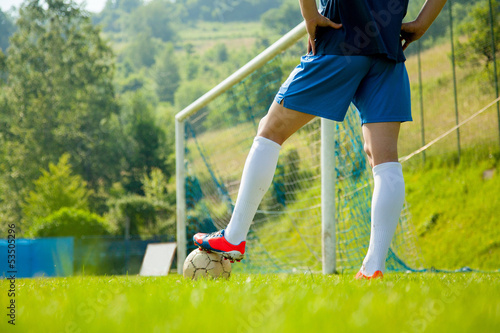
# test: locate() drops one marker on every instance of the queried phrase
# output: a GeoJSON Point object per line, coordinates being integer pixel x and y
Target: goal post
{"type": "Point", "coordinates": [328, 178]}
{"type": "Point", "coordinates": [180, 195]}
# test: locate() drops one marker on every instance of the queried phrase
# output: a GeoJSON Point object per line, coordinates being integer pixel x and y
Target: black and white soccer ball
{"type": "Point", "coordinates": [201, 264]}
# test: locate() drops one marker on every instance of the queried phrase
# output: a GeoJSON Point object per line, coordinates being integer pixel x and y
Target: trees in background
{"type": "Point", "coordinates": [147, 145]}
{"type": "Point", "coordinates": [284, 18]}
{"type": "Point", "coordinates": [478, 48]}
{"type": "Point", "coordinates": [225, 10]}
{"type": "Point", "coordinates": [58, 99]}
{"type": "Point", "coordinates": [166, 74]}
{"type": "Point", "coordinates": [141, 50]}
{"type": "Point", "coordinates": [60, 95]}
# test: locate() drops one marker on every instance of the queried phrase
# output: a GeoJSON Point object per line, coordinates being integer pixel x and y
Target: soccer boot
{"type": "Point", "coordinates": [376, 275]}
{"type": "Point", "coordinates": [216, 242]}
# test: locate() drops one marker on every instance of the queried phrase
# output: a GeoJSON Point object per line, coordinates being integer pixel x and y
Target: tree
{"type": "Point", "coordinates": [158, 16]}
{"type": "Point", "coordinates": [155, 186]}
{"type": "Point", "coordinates": [146, 149]}
{"type": "Point", "coordinates": [3, 65]}
{"type": "Point", "coordinates": [226, 10]}
{"type": "Point", "coordinates": [282, 19]}
{"type": "Point", "coordinates": [58, 187]}
{"type": "Point", "coordinates": [124, 5]}
{"type": "Point", "coordinates": [140, 215]}
{"type": "Point", "coordinates": [166, 75]}
{"type": "Point", "coordinates": [218, 53]}
{"type": "Point", "coordinates": [191, 67]}
{"type": "Point", "coordinates": [478, 49]}
{"type": "Point", "coordinates": [128, 5]}
{"type": "Point", "coordinates": [109, 17]}
{"type": "Point", "coordinates": [188, 92]}
{"type": "Point", "coordinates": [7, 28]}
{"type": "Point", "coordinates": [59, 99]}
{"type": "Point", "coordinates": [142, 49]}
{"type": "Point", "coordinates": [67, 222]}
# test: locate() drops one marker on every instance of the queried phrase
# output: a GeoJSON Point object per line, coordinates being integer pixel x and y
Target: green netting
{"type": "Point", "coordinates": [286, 232]}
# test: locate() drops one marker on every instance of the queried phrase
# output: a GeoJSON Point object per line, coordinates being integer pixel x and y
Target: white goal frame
{"type": "Point", "coordinates": [328, 175]}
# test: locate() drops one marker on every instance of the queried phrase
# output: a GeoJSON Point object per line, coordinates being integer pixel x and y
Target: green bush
{"type": "Point", "coordinates": [56, 188]}
{"type": "Point", "coordinates": [146, 216]}
{"type": "Point", "coordinates": [70, 222]}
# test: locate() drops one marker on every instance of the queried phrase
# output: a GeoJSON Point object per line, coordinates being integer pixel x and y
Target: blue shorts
{"type": "Point", "coordinates": [325, 85]}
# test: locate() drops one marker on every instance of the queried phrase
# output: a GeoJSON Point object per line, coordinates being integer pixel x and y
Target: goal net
{"type": "Point", "coordinates": [213, 141]}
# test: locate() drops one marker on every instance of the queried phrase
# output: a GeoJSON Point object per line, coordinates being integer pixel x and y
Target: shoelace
{"type": "Point", "coordinates": [215, 234]}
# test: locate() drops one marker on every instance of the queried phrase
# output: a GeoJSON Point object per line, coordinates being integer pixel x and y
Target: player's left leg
{"type": "Point", "coordinates": [388, 193]}
{"type": "Point", "coordinates": [383, 101]}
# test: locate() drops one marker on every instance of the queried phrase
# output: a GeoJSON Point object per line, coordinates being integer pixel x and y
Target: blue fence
{"type": "Point", "coordinates": [37, 257]}
{"type": "Point", "coordinates": [66, 256]}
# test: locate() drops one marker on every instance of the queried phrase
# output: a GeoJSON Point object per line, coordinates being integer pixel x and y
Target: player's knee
{"type": "Point", "coordinates": [269, 130]}
{"type": "Point", "coordinates": [368, 152]}
{"type": "Point", "coordinates": [379, 156]}
{"type": "Point", "coordinates": [276, 137]}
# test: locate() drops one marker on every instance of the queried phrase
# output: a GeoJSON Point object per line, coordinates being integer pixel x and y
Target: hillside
{"type": "Point", "coordinates": [454, 210]}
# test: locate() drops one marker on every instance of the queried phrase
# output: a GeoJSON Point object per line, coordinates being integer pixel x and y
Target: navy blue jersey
{"type": "Point", "coordinates": [369, 27]}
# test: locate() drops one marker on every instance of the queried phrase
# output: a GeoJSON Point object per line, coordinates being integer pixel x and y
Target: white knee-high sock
{"type": "Point", "coordinates": [387, 203]}
{"type": "Point", "coordinates": [257, 176]}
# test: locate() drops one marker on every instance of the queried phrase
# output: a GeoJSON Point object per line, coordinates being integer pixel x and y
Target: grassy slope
{"type": "Point", "coordinates": [455, 210]}
{"type": "Point", "coordinates": [474, 91]}
{"type": "Point", "coordinates": [235, 35]}
{"type": "Point", "coordinates": [259, 303]}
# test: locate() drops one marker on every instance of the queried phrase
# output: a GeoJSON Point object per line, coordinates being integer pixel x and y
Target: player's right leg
{"type": "Point", "coordinates": [277, 126]}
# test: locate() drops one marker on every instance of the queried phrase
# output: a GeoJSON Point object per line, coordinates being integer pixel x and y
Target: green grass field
{"type": "Point", "coordinates": [460, 302]}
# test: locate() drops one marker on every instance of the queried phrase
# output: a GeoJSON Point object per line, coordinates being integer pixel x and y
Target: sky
{"type": "Point", "coordinates": [91, 5]}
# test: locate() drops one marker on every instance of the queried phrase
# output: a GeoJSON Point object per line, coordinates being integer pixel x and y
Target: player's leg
{"type": "Point", "coordinates": [277, 126]}
{"type": "Point", "coordinates": [381, 142]}
{"type": "Point", "coordinates": [280, 123]}
{"type": "Point", "coordinates": [383, 99]}
{"type": "Point", "coordinates": [388, 193]}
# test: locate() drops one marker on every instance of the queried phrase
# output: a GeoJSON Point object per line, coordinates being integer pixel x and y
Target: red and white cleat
{"type": "Point", "coordinates": [216, 242]}
{"type": "Point", "coordinates": [376, 275]}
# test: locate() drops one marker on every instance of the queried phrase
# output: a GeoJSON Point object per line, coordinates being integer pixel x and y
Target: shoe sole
{"type": "Point", "coordinates": [231, 255]}
{"type": "Point", "coordinates": [376, 276]}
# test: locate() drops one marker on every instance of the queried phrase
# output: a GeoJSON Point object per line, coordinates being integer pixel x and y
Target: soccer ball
{"type": "Point", "coordinates": [201, 264]}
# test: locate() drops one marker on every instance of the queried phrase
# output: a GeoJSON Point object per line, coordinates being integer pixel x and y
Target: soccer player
{"type": "Point", "coordinates": [355, 54]}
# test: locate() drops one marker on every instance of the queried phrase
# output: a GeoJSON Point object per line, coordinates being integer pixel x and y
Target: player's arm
{"type": "Point", "coordinates": [412, 31]}
{"type": "Point", "coordinates": [314, 19]}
